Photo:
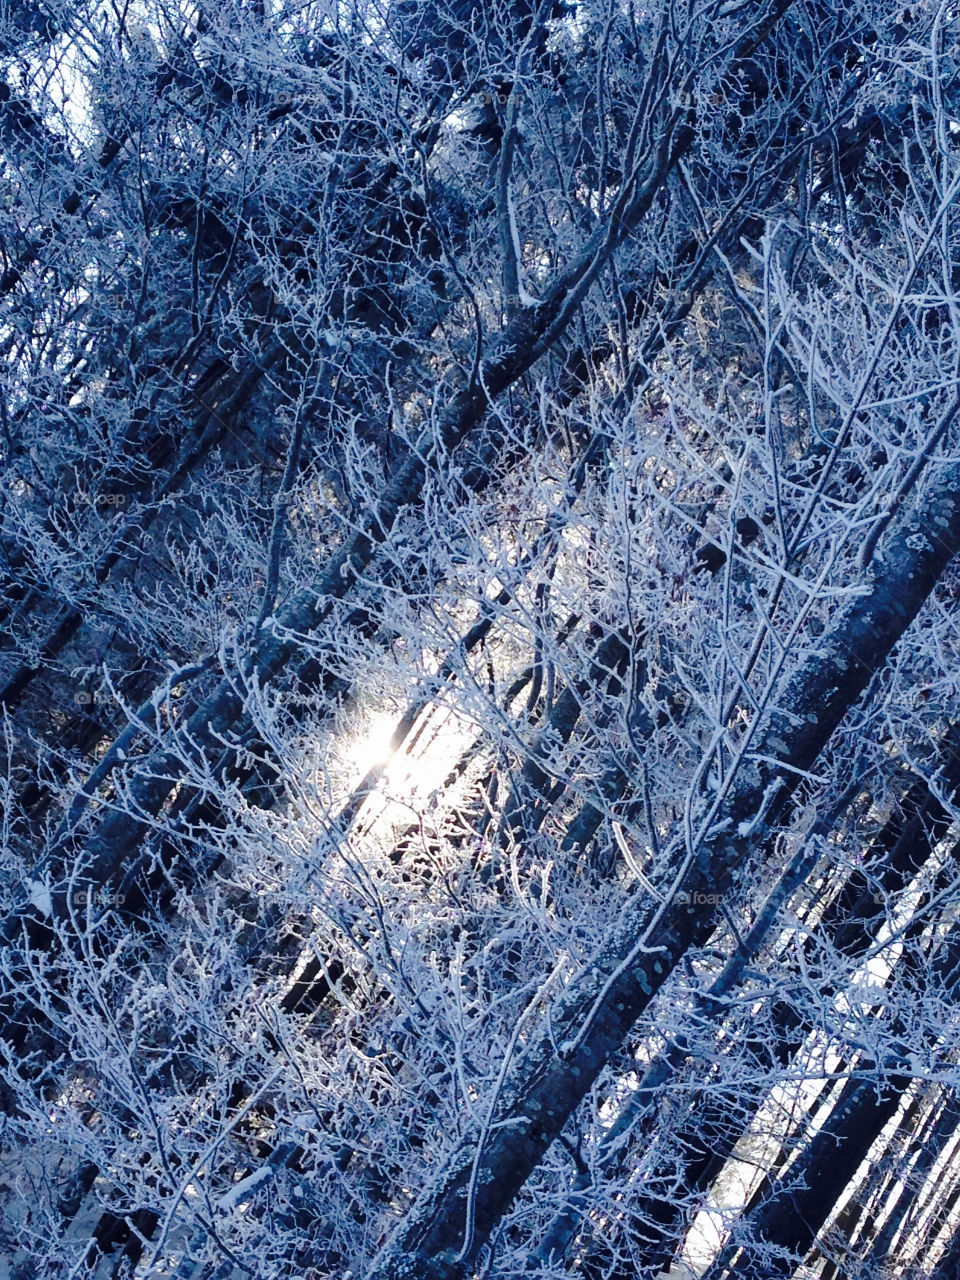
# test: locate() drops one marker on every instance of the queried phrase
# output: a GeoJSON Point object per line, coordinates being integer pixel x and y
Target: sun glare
{"type": "Point", "coordinates": [371, 747]}
{"type": "Point", "coordinates": [428, 753]}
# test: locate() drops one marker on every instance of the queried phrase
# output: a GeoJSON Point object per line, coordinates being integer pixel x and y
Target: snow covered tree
{"type": "Point", "coordinates": [481, 491]}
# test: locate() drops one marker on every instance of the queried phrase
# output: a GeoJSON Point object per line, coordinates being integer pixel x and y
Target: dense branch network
{"type": "Point", "coordinates": [478, 639]}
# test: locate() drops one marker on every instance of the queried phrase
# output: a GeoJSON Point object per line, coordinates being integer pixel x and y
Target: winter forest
{"type": "Point", "coordinates": [479, 639]}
